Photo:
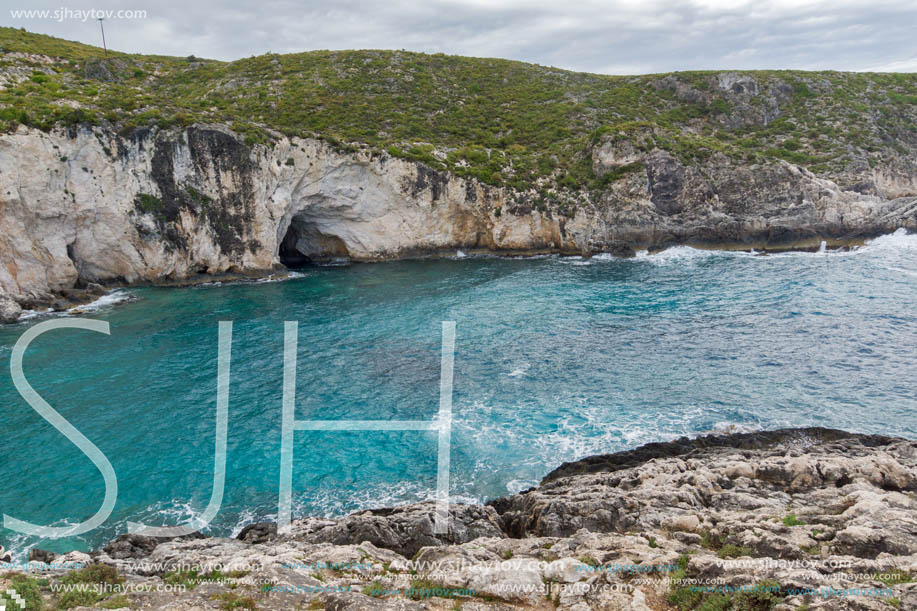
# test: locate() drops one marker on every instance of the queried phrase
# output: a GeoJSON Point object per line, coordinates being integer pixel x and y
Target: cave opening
{"type": "Point", "coordinates": [305, 243]}
{"type": "Point", "coordinates": [290, 255]}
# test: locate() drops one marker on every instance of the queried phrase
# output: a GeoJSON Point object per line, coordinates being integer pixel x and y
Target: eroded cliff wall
{"type": "Point", "coordinates": [88, 205]}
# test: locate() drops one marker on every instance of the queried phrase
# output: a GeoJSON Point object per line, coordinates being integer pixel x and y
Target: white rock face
{"type": "Point", "coordinates": [71, 208]}
{"type": "Point", "coordinates": [87, 205]}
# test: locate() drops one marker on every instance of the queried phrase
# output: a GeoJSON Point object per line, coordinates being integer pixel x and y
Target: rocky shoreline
{"type": "Point", "coordinates": [90, 206]}
{"type": "Point", "coordinates": [85, 293]}
{"type": "Point", "coordinates": [790, 519]}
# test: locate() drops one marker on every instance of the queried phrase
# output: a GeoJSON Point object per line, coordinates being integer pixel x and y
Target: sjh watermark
{"type": "Point", "coordinates": [442, 424]}
{"type": "Point", "coordinates": [66, 14]}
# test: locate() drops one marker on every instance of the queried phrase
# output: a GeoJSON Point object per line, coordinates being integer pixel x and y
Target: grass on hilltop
{"type": "Point", "coordinates": [502, 122]}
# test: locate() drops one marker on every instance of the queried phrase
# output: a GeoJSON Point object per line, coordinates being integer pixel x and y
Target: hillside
{"type": "Point", "coordinates": [502, 122]}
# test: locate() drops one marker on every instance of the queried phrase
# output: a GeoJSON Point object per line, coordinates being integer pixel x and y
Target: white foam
{"type": "Point", "coordinates": [899, 240]}
{"type": "Point", "coordinates": [248, 516]}
{"type": "Point", "coordinates": [330, 502]}
{"type": "Point", "coordinates": [106, 301]}
{"type": "Point", "coordinates": [682, 254]}
{"type": "Point", "coordinates": [515, 486]}
{"type": "Point", "coordinates": [29, 314]}
{"type": "Point", "coordinates": [283, 277]}
{"type": "Point", "coordinates": [336, 262]}
{"type": "Point", "coordinates": [19, 544]}
{"type": "Point", "coordinates": [291, 275]}
{"type": "Point", "coordinates": [729, 428]}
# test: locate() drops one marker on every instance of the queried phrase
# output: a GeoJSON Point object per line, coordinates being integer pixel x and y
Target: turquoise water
{"type": "Point", "coordinates": [556, 359]}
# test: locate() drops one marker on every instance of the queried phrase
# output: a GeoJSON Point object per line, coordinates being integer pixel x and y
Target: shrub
{"type": "Point", "coordinates": [231, 600]}
{"type": "Point", "coordinates": [792, 520]}
{"type": "Point", "coordinates": [148, 203]}
{"type": "Point", "coordinates": [76, 598]}
{"type": "Point", "coordinates": [376, 589]}
{"type": "Point", "coordinates": [119, 601]}
{"type": "Point", "coordinates": [28, 588]}
{"type": "Point", "coordinates": [94, 573]}
{"type": "Point", "coordinates": [733, 551]}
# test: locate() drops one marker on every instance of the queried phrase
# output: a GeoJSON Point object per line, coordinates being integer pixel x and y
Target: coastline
{"type": "Point", "coordinates": [169, 205]}
{"type": "Point", "coordinates": [811, 510]}
{"type": "Point", "coordinates": [74, 300]}
{"type": "Point", "coordinates": [638, 286]}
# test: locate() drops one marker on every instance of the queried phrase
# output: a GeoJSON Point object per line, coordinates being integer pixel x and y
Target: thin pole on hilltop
{"type": "Point", "coordinates": [104, 46]}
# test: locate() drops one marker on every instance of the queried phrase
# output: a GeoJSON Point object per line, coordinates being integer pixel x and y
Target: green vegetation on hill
{"type": "Point", "coordinates": [503, 122]}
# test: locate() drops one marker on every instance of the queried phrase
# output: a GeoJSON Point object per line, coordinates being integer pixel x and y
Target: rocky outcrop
{"type": "Point", "coordinates": [87, 205]}
{"type": "Point", "coordinates": [758, 472]}
{"type": "Point", "coordinates": [799, 518]}
{"type": "Point", "coordinates": [9, 309]}
{"type": "Point", "coordinates": [404, 530]}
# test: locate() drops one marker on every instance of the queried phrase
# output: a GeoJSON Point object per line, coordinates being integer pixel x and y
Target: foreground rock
{"type": "Point", "coordinates": [90, 205]}
{"type": "Point", "coordinates": [807, 518]}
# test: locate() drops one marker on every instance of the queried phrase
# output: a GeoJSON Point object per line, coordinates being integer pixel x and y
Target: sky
{"type": "Point", "coordinates": [611, 37]}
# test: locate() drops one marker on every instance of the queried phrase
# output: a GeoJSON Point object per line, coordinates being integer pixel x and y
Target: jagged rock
{"type": "Point", "coordinates": [811, 509]}
{"type": "Point", "coordinates": [41, 555]}
{"type": "Point", "coordinates": [403, 530]}
{"type": "Point", "coordinates": [132, 546]}
{"type": "Point", "coordinates": [678, 479]}
{"type": "Point", "coordinates": [258, 533]}
{"type": "Point", "coordinates": [9, 309]}
{"type": "Point", "coordinates": [801, 437]}
{"type": "Point", "coordinates": [75, 560]}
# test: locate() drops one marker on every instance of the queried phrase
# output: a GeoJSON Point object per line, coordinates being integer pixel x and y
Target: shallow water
{"type": "Point", "coordinates": [556, 359]}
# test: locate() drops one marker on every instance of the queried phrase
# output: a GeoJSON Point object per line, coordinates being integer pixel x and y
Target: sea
{"type": "Point", "coordinates": [556, 358]}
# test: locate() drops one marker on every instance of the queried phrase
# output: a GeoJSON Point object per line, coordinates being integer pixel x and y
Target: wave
{"type": "Point", "coordinates": [731, 428]}
{"type": "Point", "coordinates": [290, 275]}
{"type": "Point", "coordinates": [516, 486]}
{"type": "Point", "coordinates": [898, 241]}
{"type": "Point", "coordinates": [108, 300]}
{"type": "Point", "coordinates": [105, 302]}
{"type": "Point", "coordinates": [686, 254]}
{"type": "Point", "coordinates": [330, 503]}
{"type": "Point", "coordinates": [20, 544]}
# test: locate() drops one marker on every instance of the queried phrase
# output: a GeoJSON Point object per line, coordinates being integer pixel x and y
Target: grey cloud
{"type": "Point", "coordinates": [621, 36]}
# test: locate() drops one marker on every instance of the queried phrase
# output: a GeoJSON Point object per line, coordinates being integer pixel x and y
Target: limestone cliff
{"type": "Point", "coordinates": [87, 205]}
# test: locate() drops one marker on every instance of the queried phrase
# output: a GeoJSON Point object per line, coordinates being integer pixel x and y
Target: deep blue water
{"type": "Point", "coordinates": [556, 359]}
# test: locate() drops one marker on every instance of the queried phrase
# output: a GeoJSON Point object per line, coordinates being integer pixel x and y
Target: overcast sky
{"type": "Point", "coordinates": [612, 36]}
